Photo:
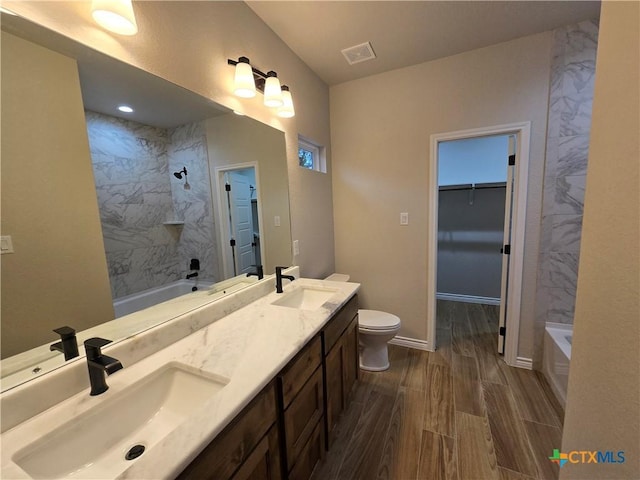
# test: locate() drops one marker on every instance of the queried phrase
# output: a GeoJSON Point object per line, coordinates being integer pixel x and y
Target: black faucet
{"type": "Point", "coordinates": [99, 364]}
{"type": "Point", "coordinates": [280, 276]}
{"type": "Point", "coordinates": [194, 266]}
{"type": "Point", "coordinates": [68, 344]}
{"type": "Point", "coordinates": [258, 273]}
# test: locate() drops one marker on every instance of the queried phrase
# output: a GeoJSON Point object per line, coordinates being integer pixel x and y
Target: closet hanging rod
{"type": "Point", "coordinates": [471, 186]}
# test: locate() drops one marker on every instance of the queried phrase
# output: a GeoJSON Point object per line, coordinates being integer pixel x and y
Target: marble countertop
{"type": "Point", "coordinates": [249, 346]}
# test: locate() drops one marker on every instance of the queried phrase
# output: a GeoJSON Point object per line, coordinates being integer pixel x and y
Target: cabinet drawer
{"type": "Point", "coordinates": [222, 457]}
{"type": "Point", "coordinates": [312, 452]}
{"type": "Point", "coordinates": [300, 369]}
{"type": "Point", "coordinates": [302, 417]}
{"type": "Point", "coordinates": [333, 330]}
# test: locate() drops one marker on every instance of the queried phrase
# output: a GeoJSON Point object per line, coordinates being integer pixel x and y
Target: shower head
{"type": "Point", "coordinates": [178, 175]}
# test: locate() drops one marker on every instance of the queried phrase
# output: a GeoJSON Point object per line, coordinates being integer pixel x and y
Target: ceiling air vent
{"type": "Point", "coordinates": [359, 53]}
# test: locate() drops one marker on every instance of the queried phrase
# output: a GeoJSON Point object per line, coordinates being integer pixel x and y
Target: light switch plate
{"type": "Point", "coordinates": [6, 245]}
{"type": "Point", "coordinates": [404, 218]}
{"type": "Point", "coordinates": [296, 247]}
{"type": "Point", "coordinates": [276, 221]}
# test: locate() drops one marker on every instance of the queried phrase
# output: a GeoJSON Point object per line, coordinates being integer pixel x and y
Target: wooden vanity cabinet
{"type": "Point", "coordinates": [301, 402]}
{"type": "Point", "coordinates": [248, 448]}
{"type": "Point", "coordinates": [286, 429]}
{"type": "Point", "coordinates": [341, 363]}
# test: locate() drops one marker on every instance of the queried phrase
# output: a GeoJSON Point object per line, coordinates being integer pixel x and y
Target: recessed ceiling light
{"type": "Point", "coordinates": [238, 113]}
{"type": "Point", "coordinates": [125, 108]}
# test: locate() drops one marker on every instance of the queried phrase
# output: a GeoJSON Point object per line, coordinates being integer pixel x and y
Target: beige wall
{"type": "Point", "coordinates": [603, 403]}
{"type": "Point", "coordinates": [380, 133]}
{"type": "Point", "coordinates": [58, 273]}
{"type": "Point", "coordinates": [231, 140]}
{"type": "Point", "coordinates": [189, 43]}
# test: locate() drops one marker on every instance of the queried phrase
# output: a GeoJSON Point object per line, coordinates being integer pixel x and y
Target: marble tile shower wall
{"type": "Point", "coordinates": [569, 123]}
{"type": "Point", "coordinates": [134, 180]}
{"type": "Point", "coordinates": [188, 148]}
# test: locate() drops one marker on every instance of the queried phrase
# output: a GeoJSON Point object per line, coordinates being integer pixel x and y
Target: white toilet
{"type": "Point", "coordinates": [375, 329]}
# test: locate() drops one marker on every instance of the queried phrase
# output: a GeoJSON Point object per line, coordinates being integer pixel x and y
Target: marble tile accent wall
{"type": "Point", "coordinates": [188, 148]}
{"type": "Point", "coordinates": [569, 122]}
{"type": "Point", "coordinates": [133, 167]}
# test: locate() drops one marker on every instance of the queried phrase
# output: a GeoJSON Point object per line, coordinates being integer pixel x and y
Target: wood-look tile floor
{"type": "Point", "coordinates": [457, 413]}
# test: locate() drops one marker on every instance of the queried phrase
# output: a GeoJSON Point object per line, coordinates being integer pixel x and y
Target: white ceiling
{"type": "Point", "coordinates": [405, 33]}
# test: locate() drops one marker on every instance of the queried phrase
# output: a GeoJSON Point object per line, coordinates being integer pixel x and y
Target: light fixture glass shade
{"type": "Point", "coordinates": [245, 85]}
{"type": "Point", "coordinates": [286, 110]}
{"type": "Point", "coordinates": [115, 15]}
{"type": "Point", "coordinates": [272, 91]}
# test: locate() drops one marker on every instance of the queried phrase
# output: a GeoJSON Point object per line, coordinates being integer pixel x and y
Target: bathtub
{"type": "Point", "coordinates": [147, 298]}
{"type": "Point", "coordinates": [556, 358]}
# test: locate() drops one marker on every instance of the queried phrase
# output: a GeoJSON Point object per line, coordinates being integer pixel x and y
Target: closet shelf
{"type": "Point", "coordinates": [472, 186]}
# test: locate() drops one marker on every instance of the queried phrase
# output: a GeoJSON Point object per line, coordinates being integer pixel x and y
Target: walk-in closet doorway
{"type": "Point", "coordinates": [478, 194]}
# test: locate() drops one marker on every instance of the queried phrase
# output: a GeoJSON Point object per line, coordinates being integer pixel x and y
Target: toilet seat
{"type": "Point", "coordinates": [375, 320]}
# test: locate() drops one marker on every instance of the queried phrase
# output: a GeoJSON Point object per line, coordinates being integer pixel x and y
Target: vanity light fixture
{"type": "Point", "coordinates": [115, 15]}
{"type": "Point", "coordinates": [245, 85]}
{"type": "Point", "coordinates": [272, 91]}
{"type": "Point", "coordinates": [248, 79]}
{"type": "Point", "coordinates": [286, 110]}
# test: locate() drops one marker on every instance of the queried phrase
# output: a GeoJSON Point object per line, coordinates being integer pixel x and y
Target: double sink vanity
{"type": "Point", "coordinates": [249, 386]}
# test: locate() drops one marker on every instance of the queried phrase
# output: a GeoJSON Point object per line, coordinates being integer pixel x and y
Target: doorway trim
{"type": "Point", "coordinates": [522, 131]}
{"type": "Point", "coordinates": [223, 219]}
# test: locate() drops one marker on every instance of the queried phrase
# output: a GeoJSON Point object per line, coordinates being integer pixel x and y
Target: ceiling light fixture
{"type": "Point", "coordinates": [248, 79]}
{"type": "Point", "coordinates": [125, 108]}
{"type": "Point", "coordinates": [115, 15]}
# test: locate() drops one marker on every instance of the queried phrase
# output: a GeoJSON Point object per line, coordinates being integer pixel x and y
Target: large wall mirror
{"type": "Point", "coordinates": [110, 213]}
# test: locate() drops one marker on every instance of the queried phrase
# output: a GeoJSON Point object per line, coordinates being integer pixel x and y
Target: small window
{"type": "Point", "coordinates": [311, 156]}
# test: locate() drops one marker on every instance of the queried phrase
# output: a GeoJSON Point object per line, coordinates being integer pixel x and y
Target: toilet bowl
{"type": "Point", "coordinates": [375, 329]}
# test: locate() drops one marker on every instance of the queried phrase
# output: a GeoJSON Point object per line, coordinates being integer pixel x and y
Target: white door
{"type": "Point", "coordinates": [241, 222]}
{"type": "Point", "coordinates": [506, 244]}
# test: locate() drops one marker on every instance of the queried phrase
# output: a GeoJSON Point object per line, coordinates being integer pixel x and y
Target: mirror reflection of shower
{"type": "Point", "coordinates": [179, 174]}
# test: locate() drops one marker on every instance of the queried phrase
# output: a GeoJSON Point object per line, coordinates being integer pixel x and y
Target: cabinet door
{"type": "Point", "coordinates": [334, 367]}
{"type": "Point", "coordinates": [264, 462]}
{"type": "Point", "coordinates": [229, 450]}
{"type": "Point", "coordinates": [351, 359]}
{"type": "Point", "coordinates": [302, 416]}
{"type": "Point", "coordinates": [312, 452]}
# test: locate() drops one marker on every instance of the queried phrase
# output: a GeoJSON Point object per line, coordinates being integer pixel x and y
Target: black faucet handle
{"type": "Point", "coordinates": [65, 332]}
{"type": "Point", "coordinates": [94, 345]}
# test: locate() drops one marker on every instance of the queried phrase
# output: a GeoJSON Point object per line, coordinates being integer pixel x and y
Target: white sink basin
{"type": "Point", "coordinates": [94, 444]}
{"type": "Point", "coordinates": [305, 298]}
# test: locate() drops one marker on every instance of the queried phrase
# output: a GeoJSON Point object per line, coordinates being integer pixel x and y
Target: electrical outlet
{"type": "Point", "coordinates": [404, 218]}
{"type": "Point", "coordinates": [6, 245]}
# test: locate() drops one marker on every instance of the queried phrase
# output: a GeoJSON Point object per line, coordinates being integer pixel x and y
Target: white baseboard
{"type": "Point", "coordinates": [411, 343]}
{"type": "Point", "coordinates": [454, 297]}
{"type": "Point", "coordinates": [523, 362]}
